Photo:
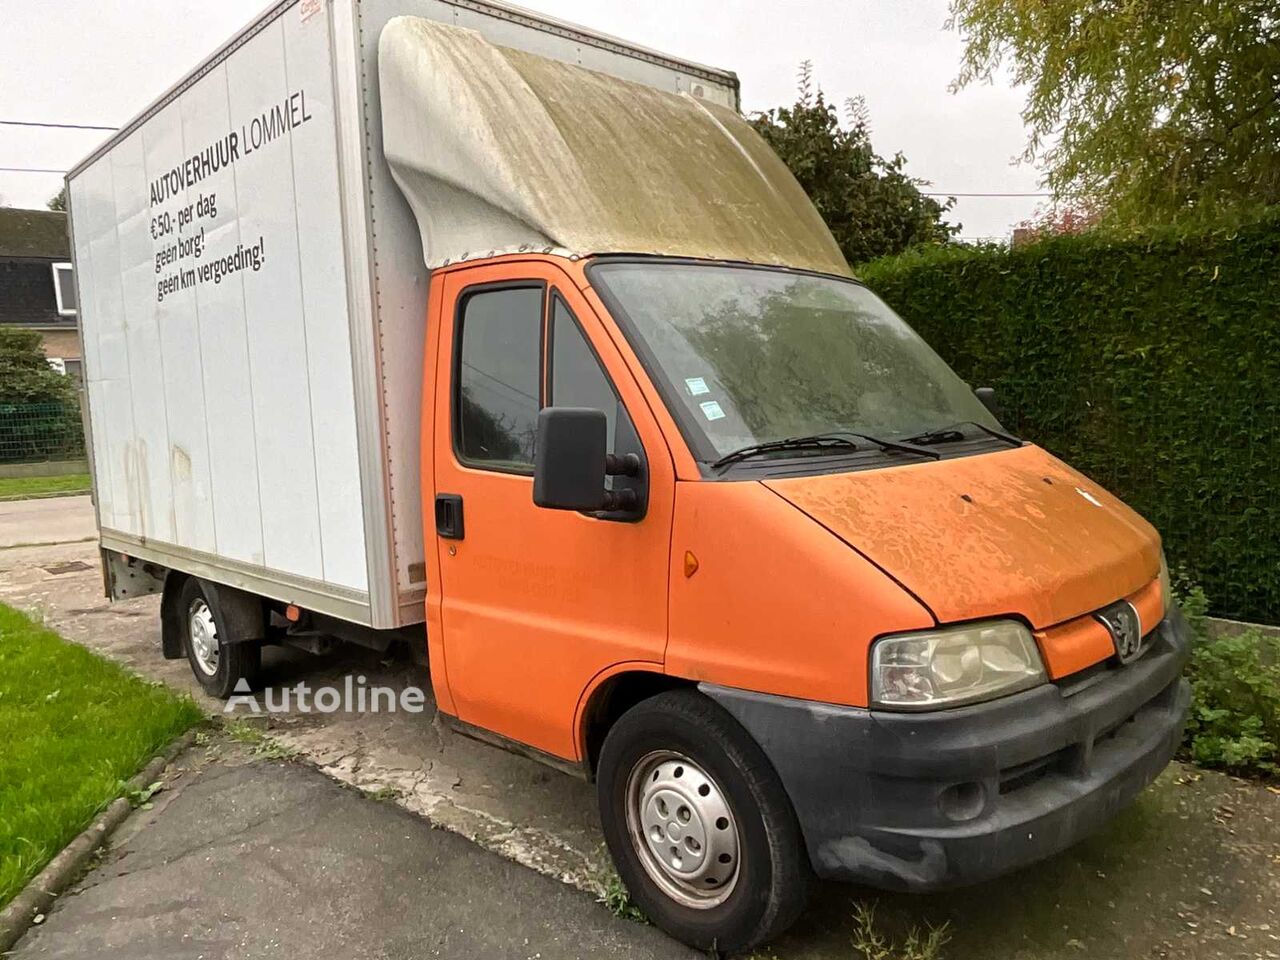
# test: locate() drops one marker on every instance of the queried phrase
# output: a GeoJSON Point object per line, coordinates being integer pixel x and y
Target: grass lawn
{"type": "Point", "coordinates": [73, 728]}
{"type": "Point", "coordinates": [13, 487]}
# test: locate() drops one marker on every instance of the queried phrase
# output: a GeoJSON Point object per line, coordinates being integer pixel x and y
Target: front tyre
{"type": "Point", "coordinates": [218, 665]}
{"type": "Point", "coordinates": [699, 826]}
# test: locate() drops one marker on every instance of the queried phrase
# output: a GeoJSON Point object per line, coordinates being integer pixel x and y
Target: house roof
{"type": "Point", "coordinates": [40, 234]}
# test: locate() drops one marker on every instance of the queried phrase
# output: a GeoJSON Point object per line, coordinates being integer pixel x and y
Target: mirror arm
{"type": "Point", "coordinates": [621, 500]}
{"type": "Point", "coordinates": [626, 465]}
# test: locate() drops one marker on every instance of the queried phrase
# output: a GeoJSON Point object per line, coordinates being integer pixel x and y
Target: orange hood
{"type": "Point", "coordinates": [1014, 532]}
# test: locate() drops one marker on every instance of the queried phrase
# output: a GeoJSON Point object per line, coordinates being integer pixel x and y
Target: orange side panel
{"type": "Point", "coordinates": [776, 603]}
{"type": "Point", "coordinates": [537, 604]}
{"type": "Point", "coordinates": [435, 627]}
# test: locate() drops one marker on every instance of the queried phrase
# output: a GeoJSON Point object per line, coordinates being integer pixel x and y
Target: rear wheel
{"type": "Point", "coordinates": [699, 826]}
{"type": "Point", "coordinates": [218, 665]}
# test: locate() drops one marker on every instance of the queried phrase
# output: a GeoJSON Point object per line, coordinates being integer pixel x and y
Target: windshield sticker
{"type": "Point", "coordinates": [697, 386]}
{"type": "Point", "coordinates": [711, 410]}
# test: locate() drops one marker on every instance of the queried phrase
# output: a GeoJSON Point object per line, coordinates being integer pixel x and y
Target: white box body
{"type": "Point", "coordinates": [253, 304]}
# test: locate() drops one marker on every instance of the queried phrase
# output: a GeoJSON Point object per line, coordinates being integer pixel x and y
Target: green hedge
{"type": "Point", "coordinates": [1151, 363]}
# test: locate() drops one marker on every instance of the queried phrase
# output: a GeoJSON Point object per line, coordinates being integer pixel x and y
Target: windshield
{"type": "Point", "coordinates": [751, 355]}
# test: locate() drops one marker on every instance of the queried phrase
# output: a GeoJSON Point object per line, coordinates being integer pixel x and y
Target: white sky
{"type": "Point", "coordinates": [102, 61]}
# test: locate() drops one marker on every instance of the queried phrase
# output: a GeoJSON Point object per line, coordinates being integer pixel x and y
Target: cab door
{"type": "Point", "coordinates": [537, 602]}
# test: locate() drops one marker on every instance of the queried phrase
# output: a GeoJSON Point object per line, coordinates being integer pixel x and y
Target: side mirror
{"type": "Point", "coordinates": [569, 459]}
{"type": "Point", "coordinates": [987, 396]}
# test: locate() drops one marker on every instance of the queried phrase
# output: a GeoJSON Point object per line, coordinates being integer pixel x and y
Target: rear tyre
{"type": "Point", "coordinates": [218, 665]}
{"type": "Point", "coordinates": [699, 826]}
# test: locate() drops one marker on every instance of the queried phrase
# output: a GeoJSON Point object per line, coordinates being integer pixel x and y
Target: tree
{"type": "Point", "coordinates": [872, 207]}
{"type": "Point", "coordinates": [25, 374]}
{"type": "Point", "coordinates": [59, 200]}
{"type": "Point", "coordinates": [1156, 108]}
{"type": "Point", "coordinates": [39, 412]}
{"type": "Point", "coordinates": [1058, 220]}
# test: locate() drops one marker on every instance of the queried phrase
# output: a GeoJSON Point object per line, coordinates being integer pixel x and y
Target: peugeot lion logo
{"type": "Point", "coordinates": [1125, 627]}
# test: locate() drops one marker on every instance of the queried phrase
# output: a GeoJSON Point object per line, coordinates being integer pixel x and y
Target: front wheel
{"type": "Point", "coordinates": [699, 826]}
{"type": "Point", "coordinates": [218, 665]}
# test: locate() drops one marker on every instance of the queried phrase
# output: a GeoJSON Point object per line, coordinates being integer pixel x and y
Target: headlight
{"type": "Point", "coordinates": [1166, 588]}
{"type": "Point", "coordinates": [954, 666]}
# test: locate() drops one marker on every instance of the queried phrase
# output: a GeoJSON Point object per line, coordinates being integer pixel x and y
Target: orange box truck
{"type": "Point", "coordinates": [442, 320]}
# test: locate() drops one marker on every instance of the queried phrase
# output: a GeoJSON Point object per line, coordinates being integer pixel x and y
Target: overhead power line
{"type": "Point", "coordinates": [938, 194]}
{"type": "Point", "coordinates": [55, 126]}
{"type": "Point", "coordinates": [931, 194]}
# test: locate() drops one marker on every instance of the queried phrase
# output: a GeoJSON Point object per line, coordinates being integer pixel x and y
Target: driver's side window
{"type": "Point", "coordinates": [496, 378]}
{"type": "Point", "coordinates": [575, 376]}
{"type": "Point", "coordinates": [501, 385]}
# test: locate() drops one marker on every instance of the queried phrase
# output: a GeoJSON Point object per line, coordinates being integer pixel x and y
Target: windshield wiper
{"type": "Point", "coordinates": [819, 442]}
{"type": "Point", "coordinates": [952, 434]}
{"type": "Point", "coordinates": [905, 446]}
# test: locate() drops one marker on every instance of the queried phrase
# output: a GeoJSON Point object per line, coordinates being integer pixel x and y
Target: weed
{"type": "Point", "coordinates": [261, 744]}
{"type": "Point", "coordinates": [1234, 722]}
{"type": "Point", "coordinates": [385, 792]}
{"type": "Point", "coordinates": [140, 797]}
{"type": "Point", "coordinates": [1235, 711]}
{"type": "Point", "coordinates": [614, 895]}
{"type": "Point", "coordinates": [242, 731]}
{"type": "Point", "coordinates": [270, 749]}
{"type": "Point", "coordinates": [873, 944]}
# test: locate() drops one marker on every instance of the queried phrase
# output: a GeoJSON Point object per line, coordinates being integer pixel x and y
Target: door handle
{"type": "Point", "coordinates": [449, 516]}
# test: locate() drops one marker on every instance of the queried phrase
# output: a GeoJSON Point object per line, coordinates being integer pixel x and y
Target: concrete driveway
{"type": "Point", "coordinates": [1192, 870]}
{"type": "Point", "coordinates": [46, 520]}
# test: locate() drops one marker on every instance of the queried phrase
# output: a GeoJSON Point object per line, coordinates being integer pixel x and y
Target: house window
{"type": "Point", "coordinates": [64, 289]}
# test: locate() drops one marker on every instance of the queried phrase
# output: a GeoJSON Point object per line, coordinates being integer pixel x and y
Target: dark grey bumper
{"type": "Point", "coordinates": [927, 801]}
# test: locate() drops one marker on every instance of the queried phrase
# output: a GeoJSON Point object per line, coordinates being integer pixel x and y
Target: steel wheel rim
{"type": "Point", "coordinates": [683, 829]}
{"type": "Point", "coordinates": [205, 646]}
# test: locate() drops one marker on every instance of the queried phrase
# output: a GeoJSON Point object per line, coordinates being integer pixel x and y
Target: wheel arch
{"type": "Point", "coordinates": [242, 614]}
{"type": "Point", "coordinates": [611, 694]}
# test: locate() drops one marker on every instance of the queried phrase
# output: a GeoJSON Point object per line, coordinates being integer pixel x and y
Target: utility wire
{"type": "Point", "coordinates": [986, 194]}
{"type": "Point", "coordinates": [46, 170]}
{"type": "Point", "coordinates": [55, 126]}
{"type": "Point", "coordinates": [89, 126]}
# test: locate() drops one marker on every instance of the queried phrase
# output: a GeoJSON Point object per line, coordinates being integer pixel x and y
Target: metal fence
{"type": "Point", "coordinates": [32, 433]}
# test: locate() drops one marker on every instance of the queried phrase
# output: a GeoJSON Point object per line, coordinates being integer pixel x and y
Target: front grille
{"type": "Point", "coordinates": [1025, 774]}
{"type": "Point", "coordinates": [1076, 758]}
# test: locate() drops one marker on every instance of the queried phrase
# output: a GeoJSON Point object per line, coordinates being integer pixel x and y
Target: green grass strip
{"type": "Point", "coordinates": [41, 486]}
{"type": "Point", "coordinates": [73, 728]}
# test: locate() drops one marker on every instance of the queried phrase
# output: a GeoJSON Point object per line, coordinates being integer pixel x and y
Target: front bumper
{"type": "Point", "coordinates": [928, 801]}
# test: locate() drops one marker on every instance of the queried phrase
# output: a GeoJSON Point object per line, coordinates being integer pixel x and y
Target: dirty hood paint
{"type": "Point", "coordinates": [1012, 532]}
